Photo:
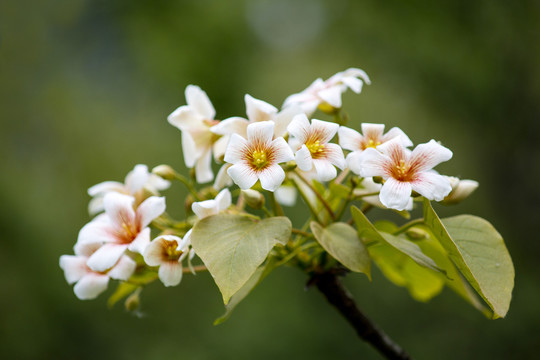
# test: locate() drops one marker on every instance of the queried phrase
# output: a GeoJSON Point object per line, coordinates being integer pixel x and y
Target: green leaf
{"type": "Point", "coordinates": [341, 241]}
{"type": "Point", "coordinates": [478, 251]}
{"type": "Point", "coordinates": [233, 246]}
{"type": "Point", "coordinates": [338, 190]}
{"type": "Point", "coordinates": [244, 291]}
{"type": "Point", "coordinates": [123, 290]}
{"type": "Point", "coordinates": [368, 232]}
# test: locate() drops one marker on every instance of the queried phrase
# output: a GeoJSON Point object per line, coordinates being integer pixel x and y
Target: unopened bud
{"type": "Point", "coordinates": [133, 301]}
{"type": "Point", "coordinates": [289, 166]}
{"type": "Point", "coordinates": [164, 171]}
{"type": "Point", "coordinates": [253, 198]}
{"type": "Point", "coordinates": [378, 180]}
{"type": "Point", "coordinates": [327, 108]}
{"type": "Point", "coordinates": [461, 189]}
{"type": "Point", "coordinates": [416, 234]}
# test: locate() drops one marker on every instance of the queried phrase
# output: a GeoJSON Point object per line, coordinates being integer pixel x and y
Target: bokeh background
{"type": "Point", "coordinates": [85, 89]}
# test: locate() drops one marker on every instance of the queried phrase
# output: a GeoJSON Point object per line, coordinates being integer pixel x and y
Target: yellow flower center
{"type": "Point", "coordinates": [170, 252]}
{"type": "Point", "coordinates": [372, 144]}
{"type": "Point", "coordinates": [315, 147]}
{"type": "Point", "coordinates": [402, 171]}
{"type": "Point", "coordinates": [129, 233]}
{"type": "Point", "coordinates": [259, 159]}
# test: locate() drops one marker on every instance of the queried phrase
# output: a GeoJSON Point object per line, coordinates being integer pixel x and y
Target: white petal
{"type": "Point", "coordinates": [299, 127]}
{"type": "Point", "coordinates": [286, 195]}
{"type": "Point", "coordinates": [284, 118]}
{"type": "Point", "coordinates": [119, 208]}
{"type": "Point", "coordinates": [332, 96]}
{"type": "Point", "coordinates": [96, 231]}
{"type": "Point", "coordinates": [353, 83]}
{"type": "Point", "coordinates": [199, 101]}
{"type": "Point", "coordinates": [219, 147]}
{"type": "Point", "coordinates": [189, 149]}
{"type": "Point", "coordinates": [153, 254]}
{"type": "Point", "coordinates": [170, 273]}
{"type": "Point", "coordinates": [395, 194]}
{"type": "Point", "coordinates": [150, 209]}
{"type": "Point", "coordinates": [95, 206]}
{"type": "Point", "coordinates": [271, 177]}
{"type": "Point", "coordinates": [137, 178]}
{"type": "Point", "coordinates": [461, 190]}
{"type": "Point", "coordinates": [233, 125]}
{"type": "Point", "coordinates": [334, 154]}
{"type": "Point", "coordinates": [86, 249]}
{"type": "Point", "coordinates": [303, 159]}
{"type": "Point", "coordinates": [106, 257]}
{"type": "Point", "coordinates": [222, 178]}
{"type": "Point", "coordinates": [372, 131]}
{"type": "Point", "coordinates": [139, 244]}
{"type": "Point", "coordinates": [262, 132]}
{"type": "Point", "coordinates": [242, 175]}
{"type": "Point", "coordinates": [395, 132]}
{"type": "Point", "coordinates": [370, 162]}
{"type": "Point", "coordinates": [281, 150]}
{"type": "Point", "coordinates": [74, 267]}
{"type": "Point", "coordinates": [156, 183]}
{"type": "Point", "coordinates": [105, 187]}
{"type": "Point", "coordinates": [205, 208]}
{"type": "Point", "coordinates": [258, 110]}
{"type": "Point", "coordinates": [325, 130]}
{"type": "Point", "coordinates": [355, 72]}
{"type": "Point", "coordinates": [123, 269]}
{"type": "Point", "coordinates": [224, 199]}
{"type": "Point", "coordinates": [349, 139]}
{"type": "Point", "coordinates": [431, 185]}
{"type": "Point", "coordinates": [90, 286]}
{"type": "Point", "coordinates": [203, 167]}
{"type": "Point", "coordinates": [325, 170]}
{"type": "Point", "coordinates": [236, 149]}
{"type": "Point", "coordinates": [185, 118]}
{"type": "Point", "coordinates": [426, 156]}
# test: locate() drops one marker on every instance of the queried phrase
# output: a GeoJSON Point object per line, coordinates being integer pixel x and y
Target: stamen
{"type": "Point", "coordinates": [170, 252]}
{"type": "Point", "coordinates": [315, 148]}
{"type": "Point", "coordinates": [259, 159]}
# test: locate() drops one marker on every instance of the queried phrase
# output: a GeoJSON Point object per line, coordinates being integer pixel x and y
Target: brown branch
{"type": "Point", "coordinates": [331, 287]}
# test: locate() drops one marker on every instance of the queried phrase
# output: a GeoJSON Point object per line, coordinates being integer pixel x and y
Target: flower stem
{"type": "Point", "coordinates": [276, 207]}
{"type": "Point", "coordinates": [318, 195]}
{"type": "Point", "coordinates": [189, 186]}
{"type": "Point", "coordinates": [314, 212]}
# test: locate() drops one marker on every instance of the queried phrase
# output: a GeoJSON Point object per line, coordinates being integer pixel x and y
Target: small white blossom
{"type": "Point", "coordinates": [258, 157]}
{"type": "Point", "coordinates": [313, 149]}
{"type": "Point", "coordinates": [369, 186]}
{"type": "Point", "coordinates": [212, 207]}
{"type": "Point", "coordinates": [137, 181]}
{"type": "Point", "coordinates": [168, 252]}
{"type": "Point", "coordinates": [90, 283]}
{"type": "Point", "coordinates": [404, 171]}
{"type": "Point", "coordinates": [119, 229]}
{"type": "Point", "coordinates": [326, 95]}
{"type": "Point", "coordinates": [195, 120]}
{"type": "Point", "coordinates": [461, 189]}
{"type": "Point", "coordinates": [286, 195]}
{"type": "Point", "coordinates": [257, 111]}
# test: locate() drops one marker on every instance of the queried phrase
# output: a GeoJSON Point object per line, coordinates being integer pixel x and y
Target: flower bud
{"type": "Point", "coordinates": [416, 234]}
{"type": "Point", "coordinates": [133, 301]}
{"type": "Point", "coordinates": [461, 189]}
{"type": "Point", "coordinates": [327, 108]}
{"type": "Point", "coordinates": [164, 171]}
{"type": "Point", "coordinates": [289, 166]}
{"type": "Point", "coordinates": [253, 198]}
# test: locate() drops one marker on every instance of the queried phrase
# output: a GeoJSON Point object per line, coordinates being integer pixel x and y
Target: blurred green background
{"type": "Point", "coordinates": [85, 89]}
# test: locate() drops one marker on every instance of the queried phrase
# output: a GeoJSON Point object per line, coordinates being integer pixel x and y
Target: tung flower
{"type": "Point", "coordinates": [119, 229]}
{"type": "Point", "coordinates": [195, 120]}
{"type": "Point", "coordinates": [257, 158]}
{"type": "Point", "coordinates": [405, 171]}
{"type": "Point", "coordinates": [326, 95]}
{"type": "Point", "coordinates": [461, 189]}
{"type": "Point", "coordinates": [90, 283]}
{"type": "Point", "coordinates": [167, 252]}
{"type": "Point", "coordinates": [313, 149]}
{"type": "Point", "coordinates": [212, 207]}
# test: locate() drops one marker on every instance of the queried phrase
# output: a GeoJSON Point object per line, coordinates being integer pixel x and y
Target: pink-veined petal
{"type": "Point", "coordinates": [431, 185]}
{"type": "Point", "coordinates": [325, 130]}
{"type": "Point", "coordinates": [124, 268]}
{"type": "Point", "coordinates": [370, 162]}
{"type": "Point", "coordinates": [170, 273]}
{"type": "Point", "coordinates": [119, 208]}
{"type": "Point", "coordinates": [397, 132]}
{"type": "Point", "coordinates": [139, 244]}
{"type": "Point", "coordinates": [74, 267]}
{"type": "Point", "coordinates": [232, 125]}
{"type": "Point", "coordinates": [224, 199]}
{"type": "Point", "coordinates": [332, 96]}
{"type": "Point", "coordinates": [90, 286]}
{"type": "Point", "coordinates": [303, 159]}
{"type": "Point", "coordinates": [261, 132]}
{"type": "Point", "coordinates": [258, 110]}
{"type": "Point", "coordinates": [236, 149]}
{"type": "Point", "coordinates": [106, 257]}
{"type": "Point", "coordinates": [428, 155]}
{"type": "Point", "coordinates": [325, 170]}
{"type": "Point", "coordinates": [242, 175]}
{"type": "Point", "coordinates": [199, 101]}
{"type": "Point", "coordinates": [203, 167]}
{"type": "Point", "coordinates": [349, 139]}
{"type": "Point", "coordinates": [137, 178]}
{"type": "Point", "coordinates": [281, 150]}
{"type": "Point", "coordinates": [299, 127]}
{"type": "Point", "coordinates": [189, 149]}
{"type": "Point", "coordinates": [150, 209]}
{"type": "Point", "coordinates": [372, 131]}
{"type": "Point", "coordinates": [271, 177]}
{"type": "Point", "coordinates": [105, 187]}
{"type": "Point", "coordinates": [395, 194]}
{"type": "Point", "coordinates": [334, 154]}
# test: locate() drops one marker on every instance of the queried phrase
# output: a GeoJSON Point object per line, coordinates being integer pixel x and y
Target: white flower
{"type": "Point", "coordinates": [461, 189]}
{"type": "Point", "coordinates": [373, 136]}
{"type": "Point", "coordinates": [405, 171]}
{"type": "Point", "coordinates": [167, 252]}
{"type": "Point", "coordinates": [313, 149]}
{"type": "Point", "coordinates": [119, 229]}
{"type": "Point", "coordinates": [257, 111]}
{"type": "Point", "coordinates": [195, 120]}
{"type": "Point", "coordinates": [286, 195]}
{"type": "Point", "coordinates": [257, 158]}
{"type": "Point", "coordinates": [326, 95]}
{"type": "Point", "coordinates": [136, 182]}
{"type": "Point", "coordinates": [90, 283]}
{"type": "Point", "coordinates": [369, 186]}
{"type": "Point", "coordinates": [222, 178]}
{"type": "Point", "coordinates": [212, 207]}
